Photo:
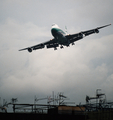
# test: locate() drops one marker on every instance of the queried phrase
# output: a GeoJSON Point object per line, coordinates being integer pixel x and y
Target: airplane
{"type": "Point", "coordinates": [62, 39]}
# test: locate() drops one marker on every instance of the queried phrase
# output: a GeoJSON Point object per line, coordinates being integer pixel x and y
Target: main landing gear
{"type": "Point", "coordinates": [55, 48]}
{"type": "Point", "coordinates": [73, 43]}
{"type": "Point", "coordinates": [61, 47]}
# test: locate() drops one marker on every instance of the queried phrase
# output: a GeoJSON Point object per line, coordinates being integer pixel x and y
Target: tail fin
{"type": "Point", "coordinates": [66, 30]}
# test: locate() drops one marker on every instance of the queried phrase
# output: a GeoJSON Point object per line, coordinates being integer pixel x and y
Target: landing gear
{"type": "Point", "coordinates": [73, 43]}
{"type": "Point", "coordinates": [67, 45]}
{"type": "Point", "coordinates": [55, 48]}
{"type": "Point", "coordinates": [61, 47]}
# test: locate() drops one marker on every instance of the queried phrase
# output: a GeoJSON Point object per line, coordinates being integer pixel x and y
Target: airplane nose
{"type": "Point", "coordinates": [53, 24]}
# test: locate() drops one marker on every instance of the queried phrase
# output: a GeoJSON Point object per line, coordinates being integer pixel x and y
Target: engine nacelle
{"type": "Point", "coordinates": [80, 35]}
{"type": "Point", "coordinates": [39, 47]}
{"type": "Point", "coordinates": [42, 45]}
{"type": "Point", "coordinates": [29, 49]}
{"type": "Point", "coordinates": [96, 31]}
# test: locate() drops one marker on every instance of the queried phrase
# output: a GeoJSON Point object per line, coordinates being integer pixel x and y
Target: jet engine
{"type": "Point", "coordinates": [39, 47]}
{"type": "Point", "coordinates": [42, 45]}
{"type": "Point", "coordinates": [29, 49]}
{"type": "Point", "coordinates": [96, 31]}
{"type": "Point", "coordinates": [80, 35]}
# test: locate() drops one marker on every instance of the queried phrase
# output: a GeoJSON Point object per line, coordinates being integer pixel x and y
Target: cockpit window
{"type": "Point", "coordinates": [53, 24]}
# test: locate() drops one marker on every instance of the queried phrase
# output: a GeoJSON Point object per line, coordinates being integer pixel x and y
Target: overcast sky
{"type": "Point", "coordinates": [76, 71]}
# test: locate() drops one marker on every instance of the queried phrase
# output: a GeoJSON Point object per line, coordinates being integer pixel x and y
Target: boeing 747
{"type": "Point", "coordinates": [62, 39]}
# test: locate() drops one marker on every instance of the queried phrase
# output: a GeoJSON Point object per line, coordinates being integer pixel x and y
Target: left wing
{"type": "Point", "coordinates": [74, 37]}
{"type": "Point", "coordinates": [49, 44]}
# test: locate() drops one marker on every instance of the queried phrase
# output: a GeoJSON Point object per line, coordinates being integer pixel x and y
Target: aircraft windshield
{"type": "Point", "coordinates": [54, 25]}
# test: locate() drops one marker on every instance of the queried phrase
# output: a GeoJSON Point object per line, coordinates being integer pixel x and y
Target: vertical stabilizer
{"type": "Point", "coordinates": [66, 30]}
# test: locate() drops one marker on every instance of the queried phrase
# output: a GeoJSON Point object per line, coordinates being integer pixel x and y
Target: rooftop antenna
{"type": "Point", "coordinates": [14, 100]}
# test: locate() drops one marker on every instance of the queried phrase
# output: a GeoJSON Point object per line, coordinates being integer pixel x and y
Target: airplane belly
{"type": "Point", "coordinates": [62, 39]}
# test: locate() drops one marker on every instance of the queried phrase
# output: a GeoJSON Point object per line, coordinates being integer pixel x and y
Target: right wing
{"type": "Point", "coordinates": [50, 44]}
{"type": "Point", "coordinates": [74, 37]}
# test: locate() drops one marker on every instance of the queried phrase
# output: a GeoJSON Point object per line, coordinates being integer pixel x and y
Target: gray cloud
{"type": "Point", "coordinates": [76, 71]}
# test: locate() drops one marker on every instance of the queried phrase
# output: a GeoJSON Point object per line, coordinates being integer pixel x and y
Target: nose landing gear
{"type": "Point", "coordinates": [55, 48]}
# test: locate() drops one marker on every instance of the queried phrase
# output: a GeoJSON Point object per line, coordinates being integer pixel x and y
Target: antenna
{"type": "Point", "coordinates": [14, 100]}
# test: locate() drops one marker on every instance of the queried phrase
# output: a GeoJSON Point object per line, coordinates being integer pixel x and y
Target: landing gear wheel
{"type": "Point", "coordinates": [55, 48]}
{"type": "Point", "coordinates": [61, 47]}
{"type": "Point", "coordinates": [73, 43]}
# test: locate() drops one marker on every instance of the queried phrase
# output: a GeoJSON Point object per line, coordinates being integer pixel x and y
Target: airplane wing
{"type": "Point", "coordinates": [50, 44]}
{"type": "Point", "coordinates": [74, 37]}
